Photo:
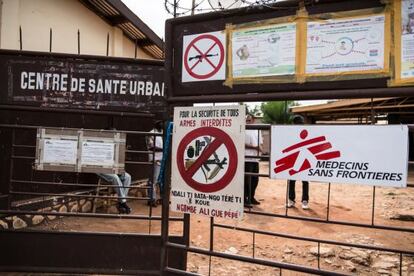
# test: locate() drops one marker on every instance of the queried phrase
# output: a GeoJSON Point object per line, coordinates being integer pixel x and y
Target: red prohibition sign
{"type": "Point", "coordinates": [203, 56]}
{"type": "Point", "coordinates": [220, 138]}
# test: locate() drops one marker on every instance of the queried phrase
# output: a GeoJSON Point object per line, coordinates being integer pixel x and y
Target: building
{"type": "Point", "coordinates": [87, 27]}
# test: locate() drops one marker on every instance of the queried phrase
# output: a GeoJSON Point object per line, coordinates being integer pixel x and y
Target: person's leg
{"type": "Point", "coordinates": [305, 191]}
{"type": "Point", "coordinates": [255, 182]}
{"type": "Point", "coordinates": [126, 182]}
{"type": "Point", "coordinates": [157, 168]}
{"type": "Point", "coordinates": [247, 183]}
{"type": "Point", "coordinates": [292, 193]}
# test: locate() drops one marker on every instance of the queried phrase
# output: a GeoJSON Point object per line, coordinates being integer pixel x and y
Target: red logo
{"type": "Point", "coordinates": [301, 153]}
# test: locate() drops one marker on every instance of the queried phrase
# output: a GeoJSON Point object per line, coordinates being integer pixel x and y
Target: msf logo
{"type": "Point", "coordinates": [300, 156]}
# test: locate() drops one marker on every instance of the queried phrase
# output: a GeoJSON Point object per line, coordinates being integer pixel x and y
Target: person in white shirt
{"type": "Point", "coordinates": [253, 144]}
{"type": "Point", "coordinates": [155, 144]}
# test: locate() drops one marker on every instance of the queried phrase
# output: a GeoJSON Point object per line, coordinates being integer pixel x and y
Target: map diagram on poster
{"type": "Point", "coordinates": [345, 45]}
{"type": "Point", "coordinates": [264, 51]}
{"type": "Point", "coordinates": [208, 161]}
{"type": "Point", "coordinates": [204, 57]}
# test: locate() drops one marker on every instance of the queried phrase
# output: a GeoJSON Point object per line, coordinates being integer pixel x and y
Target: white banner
{"type": "Point", "coordinates": [368, 155]}
{"type": "Point", "coordinates": [264, 51]}
{"type": "Point", "coordinates": [345, 45]}
{"type": "Point", "coordinates": [98, 153]}
{"type": "Point", "coordinates": [60, 151]}
{"type": "Point", "coordinates": [204, 57]}
{"type": "Point", "coordinates": [208, 161]}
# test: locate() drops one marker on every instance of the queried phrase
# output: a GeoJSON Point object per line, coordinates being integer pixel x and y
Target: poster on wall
{"type": "Point", "coordinates": [204, 57]}
{"type": "Point", "coordinates": [407, 39]}
{"type": "Point", "coordinates": [348, 45]}
{"type": "Point", "coordinates": [264, 51]}
{"type": "Point", "coordinates": [60, 151]}
{"type": "Point", "coordinates": [366, 155]}
{"type": "Point", "coordinates": [208, 161]}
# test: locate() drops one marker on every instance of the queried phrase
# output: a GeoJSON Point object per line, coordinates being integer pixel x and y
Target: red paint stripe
{"type": "Point", "coordinates": [304, 143]}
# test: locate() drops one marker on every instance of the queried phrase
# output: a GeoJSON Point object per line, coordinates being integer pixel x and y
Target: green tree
{"type": "Point", "coordinates": [277, 112]}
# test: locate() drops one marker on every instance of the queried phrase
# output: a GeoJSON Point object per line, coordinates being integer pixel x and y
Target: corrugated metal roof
{"type": "Point", "coordinates": [117, 14]}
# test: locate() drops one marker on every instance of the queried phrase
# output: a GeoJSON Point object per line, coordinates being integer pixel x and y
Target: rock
{"type": "Point", "coordinates": [357, 256]}
{"type": "Point", "coordinates": [390, 259]}
{"type": "Point", "coordinates": [74, 208]}
{"type": "Point", "coordinates": [288, 251]}
{"type": "Point", "coordinates": [384, 265]}
{"type": "Point", "coordinates": [350, 266]}
{"type": "Point", "coordinates": [18, 223]}
{"type": "Point", "coordinates": [323, 251]}
{"type": "Point", "coordinates": [63, 209]}
{"type": "Point", "coordinates": [384, 272]}
{"type": "Point", "coordinates": [403, 217]}
{"type": "Point", "coordinates": [231, 250]}
{"type": "Point", "coordinates": [52, 217]}
{"type": "Point", "coordinates": [87, 207]}
{"type": "Point", "coordinates": [4, 225]}
{"type": "Point", "coordinates": [82, 201]}
{"type": "Point", "coordinates": [38, 219]}
{"type": "Point", "coordinates": [328, 261]}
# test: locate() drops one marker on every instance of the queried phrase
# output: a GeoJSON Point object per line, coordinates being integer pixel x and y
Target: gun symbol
{"type": "Point", "coordinates": [201, 57]}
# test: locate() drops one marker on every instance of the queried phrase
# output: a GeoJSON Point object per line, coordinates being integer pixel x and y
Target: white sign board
{"type": "Point", "coordinates": [264, 51]}
{"type": "Point", "coordinates": [60, 151]}
{"type": "Point", "coordinates": [345, 45]}
{"type": "Point", "coordinates": [407, 39]}
{"type": "Point", "coordinates": [208, 161]}
{"type": "Point", "coordinates": [368, 155]}
{"type": "Point", "coordinates": [204, 57]}
{"type": "Point", "coordinates": [98, 153]}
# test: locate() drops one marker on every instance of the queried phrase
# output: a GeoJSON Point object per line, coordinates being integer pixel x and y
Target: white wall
{"type": "Point", "coordinates": [65, 17]}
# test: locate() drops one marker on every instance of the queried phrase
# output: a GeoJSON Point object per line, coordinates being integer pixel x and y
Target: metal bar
{"type": "Point", "coordinates": [11, 166]}
{"type": "Point", "coordinates": [264, 262]}
{"type": "Point", "coordinates": [73, 184]}
{"type": "Point", "coordinates": [328, 206]}
{"type": "Point", "coordinates": [180, 272]}
{"type": "Point", "coordinates": [107, 44]}
{"type": "Point", "coordinates": [287, 196]}
{"type": "Point", "coordinates": [298, 95]}
{"type": "Point", "coordinates": [68, 128]}
{"type": "Point", "coordinates": [319, 255]}
{"type": "Point", "coordinates": [50, 40]}
{"type": "Point", "coordinates": [79, 111]}
{"type": "Point", "coordinates": [373, 206]}
{"type": "Point", "coordinates": [136, 46]}
{"type": "Point", "coordinates": [78, 42]}
{"type": "Point", "coordinates": [301, 238]}
{"type": "Point", "coordinates": [382, 227]}
{"type": "Point", "coordinates": [88, 215]}
{"type": "Point", "coordinates": [21, 38]}
{"type": "Point", "coordinates": [71, 195]}
{"type": "Point", "coordinates": [93, 57]}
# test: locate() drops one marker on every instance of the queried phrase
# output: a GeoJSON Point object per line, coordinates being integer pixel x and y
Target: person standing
{"type": "Point", "coordinates": [155, 144]}
{"type": "Point", "coordinates": [253, 144]}
{"type": "Point", "coordinates": [298, 120]}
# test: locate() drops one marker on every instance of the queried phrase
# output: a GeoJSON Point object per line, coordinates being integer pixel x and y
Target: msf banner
{"type": "Point", "coordinates": [367, 155]}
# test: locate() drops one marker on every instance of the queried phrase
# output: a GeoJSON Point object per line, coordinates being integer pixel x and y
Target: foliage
{"type": "Point", "coordinates": [277, 112]}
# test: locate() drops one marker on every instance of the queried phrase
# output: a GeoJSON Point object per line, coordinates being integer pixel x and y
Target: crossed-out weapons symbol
{"type": "Point", "coordinates": [195, 150]}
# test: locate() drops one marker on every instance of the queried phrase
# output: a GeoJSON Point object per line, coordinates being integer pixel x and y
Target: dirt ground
{"type": "Point", "coordinates": [350, 203]}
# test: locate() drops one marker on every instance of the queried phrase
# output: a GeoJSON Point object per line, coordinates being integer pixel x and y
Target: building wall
{"type": "Point", "coordinates": [65, 18]}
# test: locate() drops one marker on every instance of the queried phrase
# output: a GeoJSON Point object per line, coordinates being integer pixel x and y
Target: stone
{"type": "Point", "coordinates": [74, 208]}
{"type": "Point", "coordinates": [328, 261]}
{"type": "Point", "coordinates": [52, 217]}
{"type": "Point", "coordinates": [231, 250]}
{"type": "Point", "coordinates": [38, 219]}
{"type": "Point", "coordinates": [18, 223]}
{"type": "Point", "coordinates": [384, 272]}
{"type": "Point", "coordinates": [288, 251]}
{"type": "Point", "coordinates": [350, 266]}
{"type": "Point", "coordinates": [63, 209]}
{"type": "Point", "coordinates": [384, 265]}
{"type": "Point", "coordinates": [87, 207]}
{"type": "Point", "coordinates": [390, 259]}
{"type": "Point", "coordinates": [323, 251]}
{"type": "Point", "coordinates": [357, 256]}
{"type": "Point", "coordinates": [82, 201]}
{"type": "Point", "coordinates": [3, 224]}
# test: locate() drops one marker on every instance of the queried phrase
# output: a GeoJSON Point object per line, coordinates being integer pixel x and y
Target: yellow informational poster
{"type": "Point", "coordinates": [404, 41]}
{"type": "Point", "coordinates": [348, 47]}
{"type": "Point", "coordinates": [264, 51]}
